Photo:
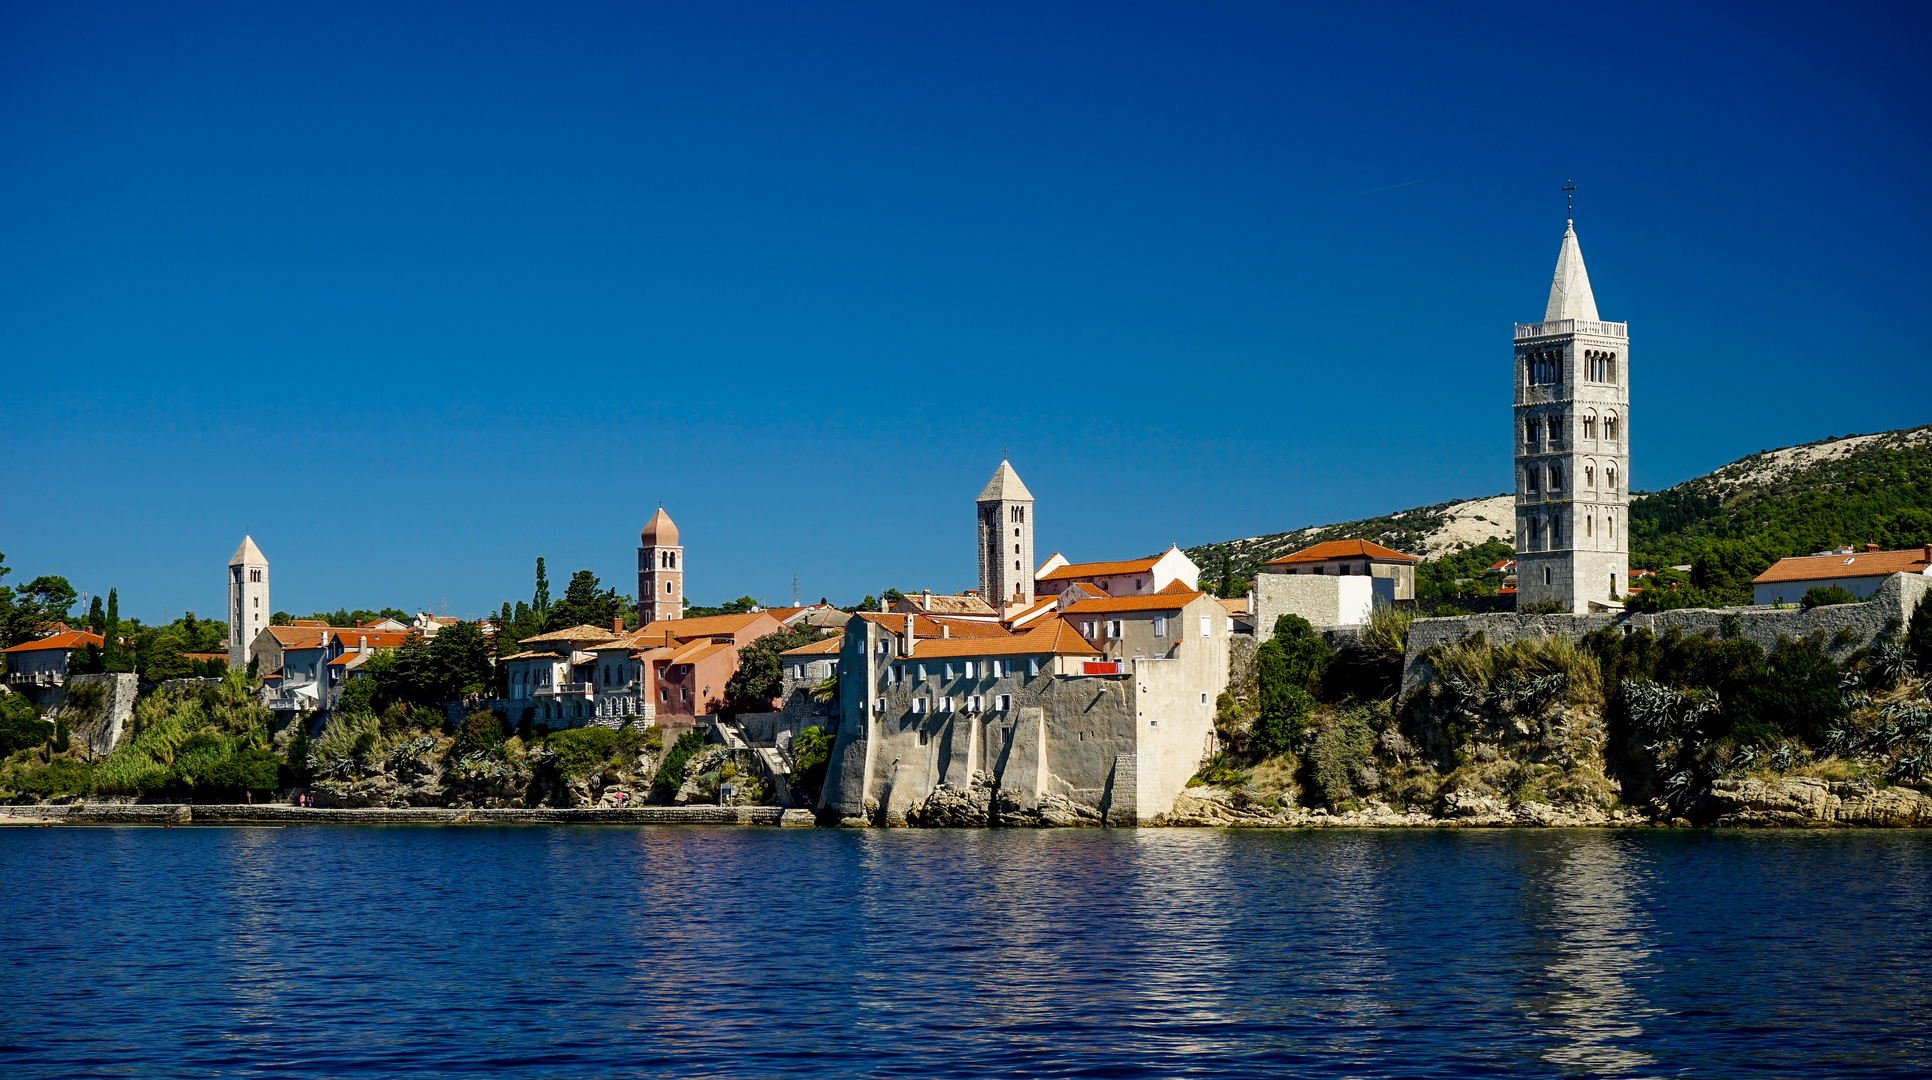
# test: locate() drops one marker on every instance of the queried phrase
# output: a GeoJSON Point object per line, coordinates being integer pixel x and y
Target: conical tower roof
{"type": "Point", "coordinates": [1005, 486]}
{"type": "Point", "coordinates": [248, 554]}
{"type": "Point", "coordinates": [1570, 295]}
{"type": "Point", "coordinates": [659, 531]}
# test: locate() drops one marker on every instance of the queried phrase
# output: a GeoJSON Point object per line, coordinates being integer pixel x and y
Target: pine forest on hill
{"type": "Point", "coordinates": [1727, 526]}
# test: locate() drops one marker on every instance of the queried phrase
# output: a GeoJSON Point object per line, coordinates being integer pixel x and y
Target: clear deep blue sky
{"type": "Point", "coordinates": [416, 293]}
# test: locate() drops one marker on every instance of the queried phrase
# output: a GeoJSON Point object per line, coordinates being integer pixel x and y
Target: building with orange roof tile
{"type": "Point", "coordinates": [41, 664]}
{"type": "Point", "coordinates": [308, 662]}
{"type": "Point", "coordinates": [1123, 578]}
{"type": "Point", "coordinates": [1857, 572]}
{"type": "Point", "coordinates": [668, 673]}
{"type": "Point", "coordinates": [1049, 724]}
{"type": "Point", "coordinates": [1361, 558]}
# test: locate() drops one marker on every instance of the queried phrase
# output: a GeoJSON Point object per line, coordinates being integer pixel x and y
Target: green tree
{"type": "Point", "coordinates": [37, 605]}
{"type": "Point", "coordinates": [113, 632]}
{"type": "Point", "coordinates": [96, 617]}
{"type": "Point", "coordinates": [583, 605]}
{"type": "Point", "coordinates": [540, 601]}
{"type": "Point", "coordinates": [811, 751]}
{"type": "Point", "coordinates": [760, 678]}
{"type": "Point", "coordinates": [1285, 701]}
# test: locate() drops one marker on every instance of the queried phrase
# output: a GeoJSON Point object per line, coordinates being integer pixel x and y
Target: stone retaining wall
{"type": "Point", "coordinates": [276, 813]}
{"type": "Point", "coordinates": [1846, 627]}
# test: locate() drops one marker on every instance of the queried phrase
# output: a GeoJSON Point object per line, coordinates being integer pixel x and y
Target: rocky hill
{"type": "Point", "coordinates": [1854, 489]}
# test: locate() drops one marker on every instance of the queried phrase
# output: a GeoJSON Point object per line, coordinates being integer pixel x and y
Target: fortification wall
{"type": "Point", "coordinates": [99, 725]}
{"type": "Point", "coordinates": [1846, 627]}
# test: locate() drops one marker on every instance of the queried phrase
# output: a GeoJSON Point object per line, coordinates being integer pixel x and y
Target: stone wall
{"type": "Point", "coordinates": [1846, 627]}
{"type": "Point", "coordinates": [1322, 599]}
{"type": "Point", "coordinates": [99, 726]}
{"type": "Point", "coordinates": [184, 814]}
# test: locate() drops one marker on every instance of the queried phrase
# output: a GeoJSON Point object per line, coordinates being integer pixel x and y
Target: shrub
{"type": "Point", "coordinates": [480, 731]}
{"type": "Point", "coordinates": [1344, 744]}
{"type": "Point", "coordinates": [670, 775]}
{"type": "Point", "coordinates": [21, 732]}
{"type": "Point", "coordinates": [811, 752]}
{"type": "Point", "coordinates": [1918, 635]}
{"type": "Point", "coordinates": [1822, 595]}
{"type": "Point", "coordinates": [248, 769]}
{"type": "Point", "coordinates": [62, 776]}
{"type": "Point", "coordinates": [582, 751]}
{"type": "Point", "coordinates": [1283, 720]}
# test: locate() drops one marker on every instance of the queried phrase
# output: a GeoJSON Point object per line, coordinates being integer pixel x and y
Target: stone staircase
{"type": "Point", "coordinates": [775, 762]}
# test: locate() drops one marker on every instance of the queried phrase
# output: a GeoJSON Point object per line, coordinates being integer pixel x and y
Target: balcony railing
{"type": "Point", "coordinates": [1572, 326]}
{"type": "Point", "coordinates": [33, 678]}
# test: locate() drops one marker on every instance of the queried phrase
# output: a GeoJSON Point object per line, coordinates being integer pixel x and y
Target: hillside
{"type": "Point", "coordinates": [1855, 489]}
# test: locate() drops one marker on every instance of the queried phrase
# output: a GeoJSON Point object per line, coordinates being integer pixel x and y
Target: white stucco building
{"type": "Point", "coordinates": [1572, 444]}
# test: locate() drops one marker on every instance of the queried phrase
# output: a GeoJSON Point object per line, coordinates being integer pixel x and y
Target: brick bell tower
{"type": "Point", "coordinates": [660, 570]}
{"type": "Point", "coordinates": [1572, 443]}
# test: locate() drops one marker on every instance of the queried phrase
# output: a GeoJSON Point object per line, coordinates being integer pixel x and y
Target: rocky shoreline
{"type": "Point", "coordinates": [1792, 802]}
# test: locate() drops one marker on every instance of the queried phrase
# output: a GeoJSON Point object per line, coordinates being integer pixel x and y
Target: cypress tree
{"type": "Point", "coordinates": [540, 603]}
{"type": "Point", "coordinates": [113, 630]}
{"type": "Point", "coordinates": [96, 621]}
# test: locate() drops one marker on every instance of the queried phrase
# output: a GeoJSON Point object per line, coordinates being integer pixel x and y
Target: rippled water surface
{"type": "Point", "coordinates": [590, 951]}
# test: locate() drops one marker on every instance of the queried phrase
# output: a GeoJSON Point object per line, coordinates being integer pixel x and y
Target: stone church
{"type": "Point", "coordinates": [1572, 444]}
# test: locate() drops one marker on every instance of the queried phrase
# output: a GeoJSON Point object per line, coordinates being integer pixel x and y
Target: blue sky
{"type": "Point", "coordinates": [416, 293]}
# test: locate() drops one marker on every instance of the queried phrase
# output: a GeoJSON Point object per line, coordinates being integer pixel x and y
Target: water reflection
{"type": "Point", "coordinates": [1582, 900]}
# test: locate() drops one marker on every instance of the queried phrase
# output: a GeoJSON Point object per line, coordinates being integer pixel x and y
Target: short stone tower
{"type": "Point", "coordinates": [248, 609]}
{"type": "Point", "coordinates": [1572, 447]}
{"type": "Point", "coordinates": [1005, 539]}
{"type": "Point", "coordinates": [660, 570]}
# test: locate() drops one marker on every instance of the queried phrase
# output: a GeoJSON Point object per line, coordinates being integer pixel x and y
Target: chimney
{"type": "Point", "coordinates": [908, 633]}
{"type": "Point", "coordinates": [362, 643]}
{"type": "Point", "coordinates": [617, 625]}
{"type": "Point", "coordinates": [945, 630]}
{"type": "Point", "coordinates": [928, 604]}
{"type": "Point", "coordinates": [883, 606]}
{"type": "Point", "coordinates": [1926, 555]}
{"type": "Point", "coordinates": [1871, 547]}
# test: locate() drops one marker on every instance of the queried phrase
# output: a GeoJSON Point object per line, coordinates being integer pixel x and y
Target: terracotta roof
{"type": "Point", "coordinates": [1176, 586]}
{"type": "Point", "coordinates": [1235, 607]}
{"type": "Point", "coordinates": [694, 652]}
{"type": "Point", "coordinates": [829, 647]}
{"type": "Point", "coordinates": [1343, 549]}
{"type": "Point", "coordinates": [1033, 611]}
{"type": "Point", "coordinates": [310, 637]}
{"type": "Point", "coordinates": [572, 635]}
{"type": "Point", "coordinates": [1053, 637]}
{"type": "Point", "coordinates": [956, 627]}
{"type": "Point", "coordinates": [938, 604]}
{"type": "Point", "coordinates": [67, 639]}
{"type": "Point", "coordinates": [534, 654]}
{"type": "Point", "coordinates": [1078, 571]}
{"type": "Point", "coordinates": [1161, 601]}
{"type": "Point", "coordinates": [1856, 564]}
{"type": "Point", "coordinates": [1089, 588]}
{"type": "Point", "coordinates": [895, 621]}
{"type": "Point", "coordinates": [708, 624]}
{"type": "Point", "coordinates": [308, 622]}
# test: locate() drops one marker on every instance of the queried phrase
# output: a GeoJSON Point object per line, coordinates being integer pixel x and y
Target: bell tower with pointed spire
{"type": "Point", "coordinates": [660, 570]}
{"type": "Point", "coordinates": [1572, 447]}
{"type": "Point", "coordinates": [1005, 539]}
{"type": "Point", "coordinates": [248, 609]}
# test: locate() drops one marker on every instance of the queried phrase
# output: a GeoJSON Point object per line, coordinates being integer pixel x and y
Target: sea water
{"type": "Point", "coordinates": [695, 952]}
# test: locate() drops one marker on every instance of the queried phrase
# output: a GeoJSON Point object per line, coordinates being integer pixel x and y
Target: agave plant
{"type": "Point", "coordinates": [1838, 739]}
{"type": "Point", "coordinates": [1891, 662]}
{"type": "Point", "coordinates": [1784, 757]}
{"type": "Point", "coordinates": [1746, 756]}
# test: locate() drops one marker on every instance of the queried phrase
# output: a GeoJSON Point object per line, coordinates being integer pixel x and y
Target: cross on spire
{"type": "Point", "coordinates": [1569, 204]}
